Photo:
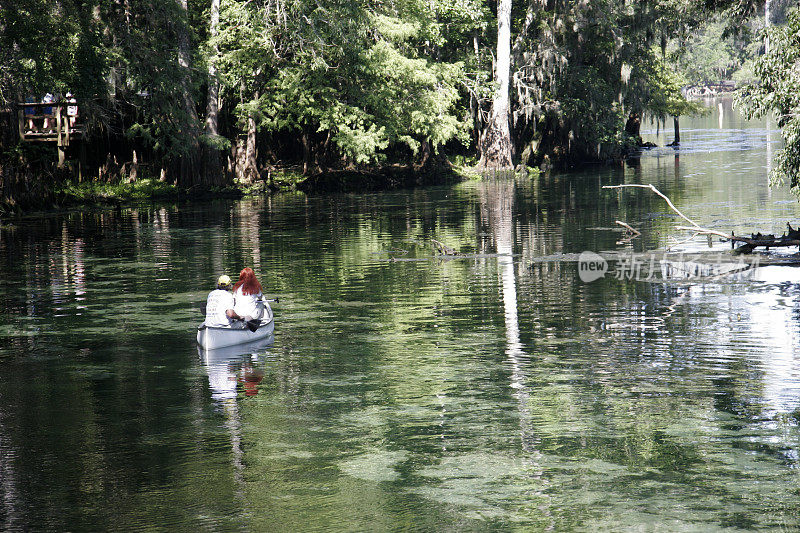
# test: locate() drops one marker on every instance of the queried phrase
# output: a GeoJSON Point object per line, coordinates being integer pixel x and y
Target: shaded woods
{"type": "Point", "coordinates": [213, 93]}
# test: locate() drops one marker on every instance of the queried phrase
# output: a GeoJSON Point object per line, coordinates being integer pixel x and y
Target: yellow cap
{"type": "Point", "coordinates": [224, 280]}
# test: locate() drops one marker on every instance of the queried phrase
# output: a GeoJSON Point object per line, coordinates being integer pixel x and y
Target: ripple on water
{"type": "Point", "coordinates": [476, 393]}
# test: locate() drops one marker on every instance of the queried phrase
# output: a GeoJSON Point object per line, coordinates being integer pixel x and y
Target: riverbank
{"type": "Point", "coordinates": [70, 194]}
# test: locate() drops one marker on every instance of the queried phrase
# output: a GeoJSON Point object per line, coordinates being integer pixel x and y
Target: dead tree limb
{"type": "Point", "coordinates": [629, 228]}
{"type": "Point", "coordinates": [630, 232]}
{"type": "Point", "coordinates": [652, 188]}
{"type": "Point", "coordinates": [443, 249]}
{"type": "Point", "coordinates": [705, 231]}
{"type": "Point", "coordinates": [684, 241]}
{"type": "Point", "coordinates": [750, 243]}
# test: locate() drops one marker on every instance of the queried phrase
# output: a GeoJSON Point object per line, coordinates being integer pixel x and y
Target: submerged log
{"type": "Point", "coordinates": [792, 238]}
{"type": "Point", "coordinates": [750, 243]}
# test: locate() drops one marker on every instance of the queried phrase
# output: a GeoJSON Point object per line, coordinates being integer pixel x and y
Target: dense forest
{"type": "Point", "coordinates": [209, 93]}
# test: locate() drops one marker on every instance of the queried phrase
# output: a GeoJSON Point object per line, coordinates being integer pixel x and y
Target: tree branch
{"type": "Point", "coordinates": [652, 188]}
{"type": "Point", "coordinates": [629, 228]}
{"type": "Point", "coordinates": [768, 241]}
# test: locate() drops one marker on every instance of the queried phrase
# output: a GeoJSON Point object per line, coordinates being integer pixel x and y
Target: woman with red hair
{"type": "Point", "coordinates": [247, 297]}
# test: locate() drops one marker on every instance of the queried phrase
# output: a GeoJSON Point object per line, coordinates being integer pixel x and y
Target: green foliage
{"type": "Point", "coordinates": [92, 192]}
{"type": "Point", "coordinates": [48, 48]}
{"type": "Point", "coordinates": [778, 92]}
{"type": "Point", "coordinates": [745, 75]}
{"type": "Point", "coordinates": [120, 60]}
{"type": "Point", "coordinates": [708, 55]}
{"type": "Point", "coordinates": [726, 46]}
{"type": "Point", "coordinates": [147, 76]}
{"type": "Point", "coordinates": [287, 179]}
{"type": "Point", "coordinates": [217, 142]}
{"type": "Point", "coordinates": [351, 72]}
{"type": "Point", "coordinates": [665, 92]}
{"type": "Point", "coordinates": [350, 84]}
{"type": "Point", "coordinates": [584, 67]}
{"type": "Point", "coordinates": [466, 171]}
{"type": "Point", "coordinates": [533, 172]}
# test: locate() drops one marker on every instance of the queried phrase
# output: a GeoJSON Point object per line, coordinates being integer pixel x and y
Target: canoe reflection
{"type": "Point", "coordinates": [228, 367]}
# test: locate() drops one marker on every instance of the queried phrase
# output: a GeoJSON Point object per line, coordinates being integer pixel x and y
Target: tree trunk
{"type": "Point", "coordinates": [496, 144]}
{"type": "Point", "coordinates": [306, 141]}
{"type": "Point", "coordinates": [474, 102]}
{"type": "Point", "coordinates": [677, 140]}
{"type": "Point", "coordinates": [767, 23]}
{"type": "Point", "coordinates": [213, 159]}
{"type": "Point", "coordinates": [133, 168]}
{"type": "Point", "coordinates": [188, 163]}
{"type": "Point", "coordinates": [212, 105]}
{"type": "Point", "coordinates": [251, 155]}
{"type": "Point", "coordinates": [246, 151]}
{"type": "Point", "coordinates": [633, 126]}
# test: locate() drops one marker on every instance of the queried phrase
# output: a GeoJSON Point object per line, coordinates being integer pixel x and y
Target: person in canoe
{"type": "Point", "coordinates": [220, 304]}
{"type": "Point", "coordinates": [247, 297]}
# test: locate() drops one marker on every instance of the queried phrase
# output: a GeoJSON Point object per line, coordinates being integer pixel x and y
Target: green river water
{"type": "Point", "coordinates": [494, 391]}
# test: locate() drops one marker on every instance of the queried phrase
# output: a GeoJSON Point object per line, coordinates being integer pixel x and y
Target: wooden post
{"type": "Point", "coordinates": [677, 139]}
{"type": "Point", "coordinates": [67, 128]}
{"type": "Point", "coordinates": [21, 119]}
{"type": "Point", "coordinates": [81, 162]}
{"type": "Point", "coordinates": [61, 148]}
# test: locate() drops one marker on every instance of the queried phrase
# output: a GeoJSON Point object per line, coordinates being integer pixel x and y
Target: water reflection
{"type": "Point", "coordinates": [230, 367]}
{"type": "Point", "coordinates": [769, 314]}
{"type": "Point", "coordinates": [229, 370]}
{"type": "Point", "coordinates": [495, 390]}
{"type": "Point", "coordinates": [497, 203]}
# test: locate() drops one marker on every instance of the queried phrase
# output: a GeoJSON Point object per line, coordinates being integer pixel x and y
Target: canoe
{"type": "Point", "coordinates": [213, 337]}
{"type": "Point", "coordinates": [227, 354]}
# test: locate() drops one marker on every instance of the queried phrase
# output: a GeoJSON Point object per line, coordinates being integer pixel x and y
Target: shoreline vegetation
{"type": "Point", "coordinates": [117, 193]}
{"type": "Point", "coordinates": [190, 99]}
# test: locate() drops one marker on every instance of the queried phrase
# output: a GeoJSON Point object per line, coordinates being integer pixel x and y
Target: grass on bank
{"type": "Point", "coordinates": [470, 172]}
{"type": "Point", "coordinates": [97, 192]}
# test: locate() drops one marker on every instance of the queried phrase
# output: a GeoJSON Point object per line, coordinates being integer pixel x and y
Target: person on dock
{"type": "Point", "coordinates": [219, 305]}
{"type": "Point", "coordinates": [72, 109]}
{"type": "Point", "coordinates": [48, 113]}
{"type": "Point", "coordinates": [30, 112]}
{"type": "Point", "coordinates": [248, 300]}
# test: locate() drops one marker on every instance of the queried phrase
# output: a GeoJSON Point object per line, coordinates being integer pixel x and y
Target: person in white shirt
{"type": "Point", "coordinates": [248, 300]}
{"type": "Point", "coordinates": [220, 305]}
{"type": "Point", "coordinates": [72, 109]}
{"type": "Point", "coordinates": [47, 111]}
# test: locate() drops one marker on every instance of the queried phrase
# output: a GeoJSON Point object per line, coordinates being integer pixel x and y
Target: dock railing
{"type": "Point", "coordinates": [50, 122]}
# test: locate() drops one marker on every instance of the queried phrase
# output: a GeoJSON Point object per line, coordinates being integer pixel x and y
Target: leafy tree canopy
{"type": "Point", "coordinates": [777, 92]}
{"type": "Point", "coordinates": [356, 73]}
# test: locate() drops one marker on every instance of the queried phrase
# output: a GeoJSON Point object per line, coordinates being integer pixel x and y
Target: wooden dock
{"type": "Point", "coordinates": [54, 122]}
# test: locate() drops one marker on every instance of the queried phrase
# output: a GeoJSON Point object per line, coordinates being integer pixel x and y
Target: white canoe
{"type": "Point", "coordinates": [216, 356]}
{"type": "Point", "coordinates": [213, 337]}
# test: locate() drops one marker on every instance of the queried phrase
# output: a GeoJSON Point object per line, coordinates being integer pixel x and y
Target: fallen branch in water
{"type": "Point", "coordinates": [705, 231]}
{"type": "Point", "coordinates": [652, 188]}
{"type": "Point", "coordinates": [750, 243]}
{"type": "Point", "coordinates": [629, 228]}
{"type": "Point", "coordinates": [443, 249]}
{"type": "Point", "coordinates": [630, 233]}
{"type": "Point", "coordinates": [684, 241]}
{"type": "Point", "coordinates": [767, 241]}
